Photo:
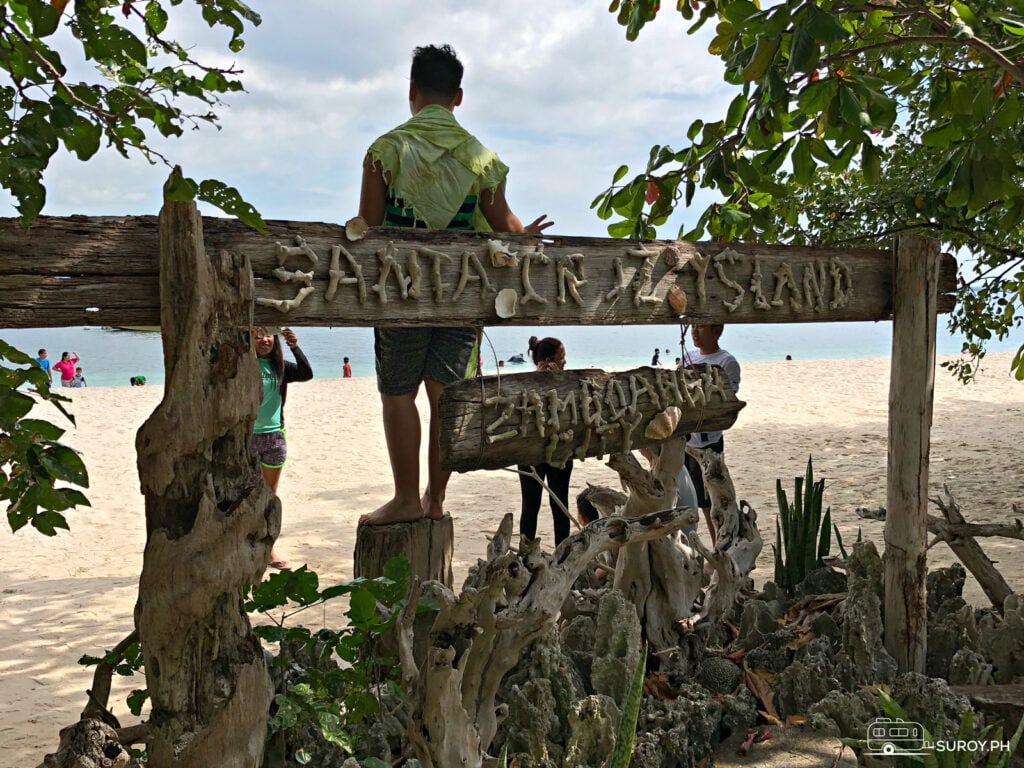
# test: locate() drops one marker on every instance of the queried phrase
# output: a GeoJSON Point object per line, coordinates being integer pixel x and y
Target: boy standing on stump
{"type": "Point", "coordinates": [428, 172]}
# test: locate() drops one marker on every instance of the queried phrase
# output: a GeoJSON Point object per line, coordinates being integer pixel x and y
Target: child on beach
{"type": "Point", "coordinates": [346, 370]}
{"type": "Point", "coordinates": [548, 355]}
{"type": "Point", "coordinates": [79, 380]}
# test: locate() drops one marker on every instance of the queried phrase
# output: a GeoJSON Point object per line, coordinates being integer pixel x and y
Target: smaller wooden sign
{"type": "Point", "coordinates": [552, 416]}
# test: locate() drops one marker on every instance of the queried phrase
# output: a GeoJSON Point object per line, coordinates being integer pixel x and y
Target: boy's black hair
{"type": "Point", "coordinates": [436, 70]}
{"type": "Point", "coordinates": [585, 506]}
{"type": "Point", "coordinates": [40, 352]}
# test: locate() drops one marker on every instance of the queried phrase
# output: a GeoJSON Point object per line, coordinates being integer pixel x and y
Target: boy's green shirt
{"type": "Point", "coordinates": [434, 163]}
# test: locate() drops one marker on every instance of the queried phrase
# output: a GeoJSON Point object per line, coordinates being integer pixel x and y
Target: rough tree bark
{"type": "Point", "coordinates": [911, 395]}
{"type": "Point", "coordinates": [210, 517]}
{"type": "Point", "coordinates": [506, 603]}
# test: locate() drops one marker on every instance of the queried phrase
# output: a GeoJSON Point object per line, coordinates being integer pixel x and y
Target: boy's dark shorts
{"type": "Point", "coordinates": [407, 356]}
{"type": "Point", "coordinates": [697, 475]}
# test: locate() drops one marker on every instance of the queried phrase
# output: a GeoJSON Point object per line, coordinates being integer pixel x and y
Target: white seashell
{"type": "Point", "coordinates": [506, 303]}
{"type": "Point", "coordinates": [356, 228]}
{"type": "Point", "coordinates": [501, 254]}
{"type": "Point", "coordinates": [663, 424]}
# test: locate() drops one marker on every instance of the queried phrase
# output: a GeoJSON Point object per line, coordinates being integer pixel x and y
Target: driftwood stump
{"type": "Point", "coordinates": [210, 517]}
{"type": "Point", "coordinates": [427, 544]}
{"type": "Point", "coordinates": [507, 602]}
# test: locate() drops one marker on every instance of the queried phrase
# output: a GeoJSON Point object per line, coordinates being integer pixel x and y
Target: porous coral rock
{"type": "Point", "coordinates": [773, 653]}
{"type": "Point", "coordinates": [678, 733]}
{"type": "Point", "coordinates": [945, 589]}
{"type": "Point", "coordinates": [756, 622]}
{"type": "Point", "coordinates": [822, 581]}
{"type": "Point", "coordinates": [969, 667]}
{"type": "Point", "coordinates": [593, 722]}
{"type": "Point", "coordinates": [869, 661]}
{"type": "Point", "coordinates": [949, 632]}
{"type": "Point", "coordinates": [578, 637]}
{"type": "Point", "coordinates": [545, 659]}
{"type": "Point", "coordinates": [739, 712]}
{"type": "Point", "coordinates": [929, 701]}
{"type": "Point", "coordinates": [531, 717]}
{"type": "Point", "coordinates": [616, 646]}
{"type": "Point", "coordinates": [809, 679]}
{"type": "Point", "coordinates": [844, 714]}
{"type": "Point", "coordinates": [1002, 640]}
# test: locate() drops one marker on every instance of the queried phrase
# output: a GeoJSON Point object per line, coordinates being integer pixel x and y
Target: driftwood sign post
{"type": "Point", "coordinates": [551, 416]}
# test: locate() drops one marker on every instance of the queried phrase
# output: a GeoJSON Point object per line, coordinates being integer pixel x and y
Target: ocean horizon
{"type": "Point", "coordinates": [110, 357]}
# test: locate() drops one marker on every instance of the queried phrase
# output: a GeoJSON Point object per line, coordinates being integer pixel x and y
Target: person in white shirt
{"type": "Point", "coordinates": [705, 339]}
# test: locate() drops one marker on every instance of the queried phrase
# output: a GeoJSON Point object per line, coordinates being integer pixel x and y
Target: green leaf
{"type": "Point", "coordinates": [764, 52]}
{"type": "Point", "coordinates": [871, 163]}
{"type": "Point", "coordinates": [620, 229]}
{"type": "Point", "coordinates": [14, 405]}
{"type": "Point", "coordinates": [986, 182]}
{"type": "Point", "coordinates": [362, 608]}
{"type": "Point", "coordinates": [804, 53]}
{"type": "Point", "coordinates": [816, 96]}
{"type": "Point", "coordinates": [942, 135]}
{"type": "Point", "coordinates": [1013, 27]}
{"type": "Point", "coordinates": [156, 17]}
{"type": "Point", "coordinates": [231, 202]}
{"type": "Point", "coordinates": [803, 163]}
{"type": "Point", "coordinates": [823, 26]}
{"type": "Point", "coordinates": [180, 188]}
{"type": "Point", "coordinates": [620, 174]}
{"type": "Point", "coordinates": [65, 464]}
{"type": "Point", "coordinates": [40, 427]}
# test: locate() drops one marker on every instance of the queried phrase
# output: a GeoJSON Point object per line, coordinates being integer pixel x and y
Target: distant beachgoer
{"type": "Point", "coordinates": [44, 363]}
{"type": "Point", "coordinates": [66, 366]}
{"type": "Point", "coordinates": [548, 355]}
{"type": "Point", "coordinates": [678, 361]}
{"type": "Point", "coordinates": [346, 370]}
{"type": "Point", "coordinates": [657, 357]}
{"type": "Point", "coordinates": [137, 381]}
{"type": "Point", "coordinates": [79, 380]}
{"type": "Point", "coordinates": [518, 358]}
{"type": "Point", "coordinates": [268, 440]}
{"type": "Point", "coordinates": [501, 363]}
{"type": "Point", "coordinates": [789, 357]}
{"type": "Point", "coordinates": [705, 338]}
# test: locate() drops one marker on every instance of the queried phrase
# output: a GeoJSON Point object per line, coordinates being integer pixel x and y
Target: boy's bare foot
{"type": "Point", "coordinates": [393, 512]}
{"type": "Point", "coordinates": [431, 508]}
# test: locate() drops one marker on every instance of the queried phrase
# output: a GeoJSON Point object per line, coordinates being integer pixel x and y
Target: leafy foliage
{"type": "Point", "coordinates": [802, 534]}
{"type": "Point", "coordinates": [852, 123]}
{"type": "Point", "coordinates": [33, 461]}
{"type": "Point", "coordinates": [148, 85]}
{"type": "Point", "coordinates": [334, 699]}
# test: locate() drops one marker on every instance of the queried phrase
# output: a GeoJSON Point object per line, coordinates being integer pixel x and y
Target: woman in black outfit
{"type": "Point", "coordinates": [548, 355]}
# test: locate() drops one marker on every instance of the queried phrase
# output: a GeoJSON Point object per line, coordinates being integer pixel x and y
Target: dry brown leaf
{"type": "Point", "coordinates": [736, 656]}
{"type": "Point", "coordinates": [770, 718]}
{"type": "Point", "coordinates": [677, 299]}
{"type": "Point", "coordinates": [60, 5]}
{"type": "Point", "coordinates": [796, 720]}
{"type": "Point", "coordinates": [657, 685]}
{"type": "Point", "coordinates": [803, 637]}
{"type": "Point", "coordinates": [759, 682]}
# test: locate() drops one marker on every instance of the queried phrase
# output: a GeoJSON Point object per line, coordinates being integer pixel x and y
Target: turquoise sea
{"type": "Point", "coordinates": [110, 357]}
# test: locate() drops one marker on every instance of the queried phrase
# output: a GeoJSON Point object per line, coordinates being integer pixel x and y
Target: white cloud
{"type": "Point", "coordinates": [554, 88]}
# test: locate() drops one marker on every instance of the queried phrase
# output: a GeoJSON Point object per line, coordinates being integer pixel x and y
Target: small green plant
{"type": "Point", "coordinates": [333, 698]}
{"type": "Point", "coordinates": [32, 460]}
{"type": "Point", "coordinates": [622, 755]}
{"type": "Point", "coordinates": [803, 535]}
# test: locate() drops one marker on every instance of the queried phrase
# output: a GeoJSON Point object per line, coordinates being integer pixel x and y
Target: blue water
{"type": "Point", "coordinates": [111, 357]}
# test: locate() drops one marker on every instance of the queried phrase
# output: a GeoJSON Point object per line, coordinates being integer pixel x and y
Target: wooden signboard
{"type": "Point", "coordinates": [552, 416]}
{"type": "Point", "coordinates": [105, 271]}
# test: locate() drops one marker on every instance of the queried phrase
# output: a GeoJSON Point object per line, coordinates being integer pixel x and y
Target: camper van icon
{"type": "Point", "coordinates": [895, 737]}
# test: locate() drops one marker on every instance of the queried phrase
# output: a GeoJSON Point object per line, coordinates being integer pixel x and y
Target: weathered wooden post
{"type": "Point", "coordinates": [911, 394]}
{"type": "Point", "coordinates": [210, 517]}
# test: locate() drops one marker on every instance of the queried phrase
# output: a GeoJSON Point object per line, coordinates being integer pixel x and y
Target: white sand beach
{"type": "Point", "coordinates": [73, 594]}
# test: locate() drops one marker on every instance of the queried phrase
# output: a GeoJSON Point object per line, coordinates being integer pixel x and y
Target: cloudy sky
{"type": "Point", "coordinates": [554, 88]}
